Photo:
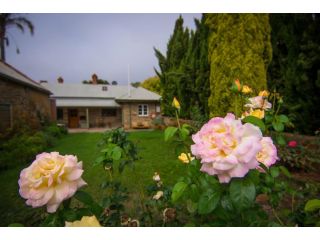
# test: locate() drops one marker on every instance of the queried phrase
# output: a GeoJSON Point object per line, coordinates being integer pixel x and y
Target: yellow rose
{"type": "Point", "coordinates": [185, 158]}
{"type": "Point", "coordinates": [85, 221]}
{"type": "Point", "coordinates": [264, 93]}
{"type": "Point", "coordinates": [257, 113]}
{"type": "Point", "coordinates": [246, 89]}
{"type": "Point", "coordinates": [175, 103]}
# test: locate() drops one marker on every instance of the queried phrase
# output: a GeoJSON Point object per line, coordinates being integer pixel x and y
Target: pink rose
{"type": "Point", "coordinates": [258, 102]}
{"type": "Point", "coordinates": [227, 148]}
{"type": "Point", "coordinates": [50, 179]}
{"type": "Point", "coordinates": [268, 154]}
{"type": "Point", "coordinates": [292, 144]}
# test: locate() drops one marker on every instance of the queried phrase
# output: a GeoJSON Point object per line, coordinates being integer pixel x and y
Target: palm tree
{"type": "Point", "coordinates": [8, 20]}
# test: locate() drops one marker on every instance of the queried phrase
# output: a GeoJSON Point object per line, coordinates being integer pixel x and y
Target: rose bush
{"type": "Point", "coordinates": [51, 179]}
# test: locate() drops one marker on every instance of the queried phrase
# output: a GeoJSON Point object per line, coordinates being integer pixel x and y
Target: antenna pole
{"type": "Point", "coordinates": [129, 86]}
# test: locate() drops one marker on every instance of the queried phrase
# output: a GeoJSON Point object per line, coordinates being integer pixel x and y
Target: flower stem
{"type": "Point", "coordinates": [277, 217]}
{"type": "Point", "coordinates": [177, 117]}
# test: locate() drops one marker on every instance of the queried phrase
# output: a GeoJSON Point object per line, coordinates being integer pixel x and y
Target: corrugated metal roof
{"type": "Point", "coordinates": [139, 94]}
{"type": "Point", "coordinates": [14, 74]}
{"type": "Point", "coordinates": [116, 92]}
{"type": "Point", "coordinates": [86, 102]}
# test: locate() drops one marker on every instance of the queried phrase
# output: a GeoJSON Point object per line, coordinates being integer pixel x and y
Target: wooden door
{"type": "Point", "coordinates": [73, 117]}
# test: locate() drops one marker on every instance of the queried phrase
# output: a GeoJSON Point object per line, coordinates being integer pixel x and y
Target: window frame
{"type": "Point", "coordinates": [144, 110]}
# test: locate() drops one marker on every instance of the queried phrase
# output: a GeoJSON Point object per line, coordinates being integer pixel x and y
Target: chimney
{"type": "Point", "coordinates": [43, 81]}
{"type": "Point", "coordinates": [94, 78]}
{"type": "Point", "coordinates": [60, 80]}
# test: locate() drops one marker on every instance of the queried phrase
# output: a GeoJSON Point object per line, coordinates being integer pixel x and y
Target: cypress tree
{"type": "Point", "coordinates": [295, 68]}
{"type": "Point", "coordinates": [239, 47]}
{"type": "Point", "coordinates": [170, 65]}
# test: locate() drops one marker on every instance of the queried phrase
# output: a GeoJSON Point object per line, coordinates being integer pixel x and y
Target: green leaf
{"type": "Point", "coordinates": [84, 197]}
{"type": "Point", "coordinates": [285, 171]}
{"type": "Point", "coordinates": [186, 126]}
{"type": "Point", "coordinates": [191, 206]}
{"type": "Point", "coordinates": [184, 133]}
{"type": "Point", "coordinates": [280, 140]}
{"type": "Point", "coordinates": [15, 225]}
{"type": "Point", "coordinates": [69, 215]}
{"type": "Point", "coordinates": [178, 190]}
{"type": "Point", "coordinates": [255, 121]}
{"type": "Point", "coordinates": [242, 193]}
{"type": "Point", "coordinates": [169, 133]}
{"type": "Point", "coordinates": [274, 171]}
{"type": "Point", "coordinates": [283, 118]}
{"type": "Point", "coordinates": [98, 160]}
{"type": "Point", "coordinates": [312, 205]}
{"type": "Point", "coordinates": [208, 202]}
{"type": "Point", "coordinates": [116, 153]}
{"type": "Point", "coordinates": [278, 126]}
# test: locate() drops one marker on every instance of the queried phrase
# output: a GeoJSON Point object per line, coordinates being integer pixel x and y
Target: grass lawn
{"type": "Point", "coordinates": [156, 156]}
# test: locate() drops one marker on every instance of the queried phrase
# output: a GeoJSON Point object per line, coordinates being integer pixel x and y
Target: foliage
{"type": "Point", "coordinates": [152, 84]}
{"type": "Point", "coordinates": [294, 70]}
{"type": "Point", "coordinates": [239, 47]}
{"type": "Point", "coordinates": [184, 70]}
{"type": "Point", "coordinates": [20, 148]}
{"type": "Point", "coordinates": [135, 84]}
{"type": "Point", "coordinates": [304, 157]}
{"type": "Point", "coordinates": [8, 20]}
{"type": "Point", "coordinates": [99, 81]}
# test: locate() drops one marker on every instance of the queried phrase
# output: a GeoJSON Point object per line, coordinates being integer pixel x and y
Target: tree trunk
{"type": "Point", "coordinates": [2, 54]}
{"type": "Point", "coordinates": [2, 44]}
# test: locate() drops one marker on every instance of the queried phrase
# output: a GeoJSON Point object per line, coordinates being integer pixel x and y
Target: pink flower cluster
{"type": "Point", "coordinates": [50, 179]}
{"type": "Point", "coordinates": [227, 148]}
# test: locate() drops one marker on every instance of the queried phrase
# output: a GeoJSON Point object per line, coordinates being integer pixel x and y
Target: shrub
{"type": "Point", "coordinates": [19, 148]}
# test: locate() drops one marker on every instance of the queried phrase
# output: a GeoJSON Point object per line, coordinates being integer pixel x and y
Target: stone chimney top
{"type": "Point", "coordinates": [60, 80]}
{"type": "Point", "coordinates": [94, 78]}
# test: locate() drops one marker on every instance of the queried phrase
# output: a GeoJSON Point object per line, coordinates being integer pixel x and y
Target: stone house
{"type": "Point", "coordinates": [22, 100]}
{"type": "Point", "coordinates": [103, 106]}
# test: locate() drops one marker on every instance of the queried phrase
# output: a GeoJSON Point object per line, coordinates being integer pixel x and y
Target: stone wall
{"type": "Point", "coordinates": [28, 106]}
{"type": "Point", "coordinates": [131, 118]}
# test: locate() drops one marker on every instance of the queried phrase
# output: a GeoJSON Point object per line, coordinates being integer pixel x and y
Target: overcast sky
{"type": "Point", "coordinates": [75, 46]}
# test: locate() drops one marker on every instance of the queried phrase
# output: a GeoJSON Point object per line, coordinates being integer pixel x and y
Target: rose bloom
{"type": "Point", "coordinates": [227, 148]}
{"type": "Point", "coordinates": [268, 154]}
{"type": "Point", "coordinates": [158, 195]}
{"type": "Point", "coordinates": [185, 158]}
{"type": "Point", "coordinates": [175, 103]}
{"type": "Point", "coordinates": [156, 177]}
{"type": "Point", "coordinates": [257, 113]}
{"type": "Point", "coordinates": [264, 93]}
{"type": "Point", "coordinates": [84, 222]}
{"type": "Point", "coordinates": [258, 102]}
{"type": "Point", "coordinates": [246, 89]}
{"type": "Point", "coordinates": [50, 179]}
{"type": "Point", "coordinates": [292, 144]}
{"type": "Point", "coordinates": [238, 84]}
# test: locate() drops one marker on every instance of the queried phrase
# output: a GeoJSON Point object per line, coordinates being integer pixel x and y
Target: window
{"type": "Point", "coordinates": [59, 114]}
{"type": "Point", "coordinates": [143, 110]}
{"type": "Point", "coordinates": [107, 112]}
{"type": "Point", "coordinates": [158, 108]}
{"type": "Point", "coordinates": [5, 116]}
